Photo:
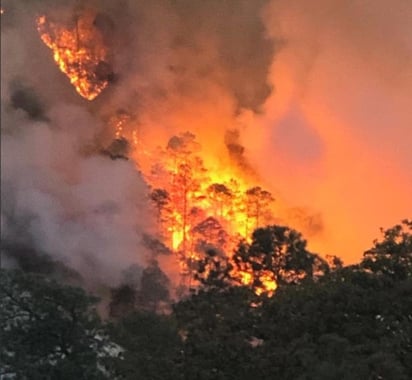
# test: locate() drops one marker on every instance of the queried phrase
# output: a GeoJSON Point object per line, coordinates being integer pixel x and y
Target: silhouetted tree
{"type": "Point", "coordinates": [217, 328]}
{"type": "Point", "coordinates": [213, 269]}
{"type": "Point", "coordinates": [334, 262]}
{"type": "Point", "coordinates": [257, 203]}
{"type": "Point", "coordinates": [348, 326]}
{"type": "Point", "coordinates": [392, 256]}
{"type": "Point", "coordinates": [221, 197]}
{"type": "Point", "coordinates": [154, 289]}
{"type": "Point", "coordinates": [209, 232]}
{"type": "Point", "coordinates": [280, 251]}
{"type": "Point", "coordinates": [160, 198]}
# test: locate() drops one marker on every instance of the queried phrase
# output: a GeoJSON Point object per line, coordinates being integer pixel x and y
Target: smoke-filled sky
{"type": "Point", "coordinates": [319, 93]}
{"type": "Point", "coordinates": [339, 123]}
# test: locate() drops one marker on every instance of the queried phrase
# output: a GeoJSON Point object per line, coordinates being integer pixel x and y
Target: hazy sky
{"type": "Point", "coordinates": [338, 127]}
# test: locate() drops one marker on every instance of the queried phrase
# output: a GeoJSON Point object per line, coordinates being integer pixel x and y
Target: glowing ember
{"type": "Point", "coordinates": [79, 51]}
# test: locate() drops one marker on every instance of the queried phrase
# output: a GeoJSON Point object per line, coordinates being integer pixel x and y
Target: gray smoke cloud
{"type": "Point", "coordinates": [59, 195]}
{"type": "Point", "coordinates": [85, 210]}
{"type": "Point", "coordinates": [168, 50]}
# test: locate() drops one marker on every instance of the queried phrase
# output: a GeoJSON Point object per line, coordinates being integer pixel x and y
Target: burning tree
{"type": "Point", "coordinates": [257, 202]}
{"type": "Point", "coordinates": [80, 51]}
{"type": "Point", "coordinates": [209, 232]}
{"type": "Point", "coordinates": [221, 198]}
{"type": "Point", "coordinates": [161, 199]}
{"type": "Point", "coordinates": [197, 215]}
{"type": "Point", "coordinates": [197, 208]}
{"type": "Point", "coordinates": [186, 173]}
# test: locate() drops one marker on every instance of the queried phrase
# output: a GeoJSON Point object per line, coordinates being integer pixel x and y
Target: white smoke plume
{"type": "Point", "coordinates": [58, 195]}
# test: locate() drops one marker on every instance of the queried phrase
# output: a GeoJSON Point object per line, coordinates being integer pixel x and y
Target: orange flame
{"type": "Point", "coordinates": [207, 203]}
{"type": "Point", "coordinates": [80, 53]}
{"type": "Point", "coordinates": [208, 207]}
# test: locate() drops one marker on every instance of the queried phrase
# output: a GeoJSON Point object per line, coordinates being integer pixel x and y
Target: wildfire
{"type": "Point", "coordinates": [200, 208]}
{"type": "Point", "coordinates": [79, 51]}
{"type": "Point", "coordinates": [201, 205]}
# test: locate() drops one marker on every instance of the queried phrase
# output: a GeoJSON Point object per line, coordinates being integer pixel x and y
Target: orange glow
{"type": "Point", "coordinates": [333, 139]}
{"type": "Point", "coordinates": [268, 283]}
{"type": "Point", "coordinates": [352, 181]}
{"type": "Point", "coordinates": [203, 206]}
{"type": "Point", "coordinates": [352, 95]}
{"type": "Point", "coordinates": [79, 51]}
{"type": "Point", "coordinates": [198, 194]}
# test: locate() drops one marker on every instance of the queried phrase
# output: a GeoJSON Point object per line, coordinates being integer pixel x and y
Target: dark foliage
{"type": "Point", "coordinates": [392, 256]}
{"type": "Point", "coordinates": [282, 252]}
{"type": "Point", "coordinates": [152, 347]}
{"type": "Point", "coordinates": [48, 331]}
{"type": "Point", "coordinates": [351, 322]}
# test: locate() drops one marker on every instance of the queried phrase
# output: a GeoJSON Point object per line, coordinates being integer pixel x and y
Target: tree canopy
{"type": "Point", "coordinates": [49, 331]}
{"type": "Point", "coordinates": [323, 322]}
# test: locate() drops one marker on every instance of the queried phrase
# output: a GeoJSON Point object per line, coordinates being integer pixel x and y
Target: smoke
{"type": "Point", "coordinates": [338, 125]}
{"type": "Point", "coordinates": [310, 97]}
{"type": "Point", "coordinates": [58, 194]}
{"type": "Point", "coordinates": [173, 63]}
{"type": "Point", "coordinates": [86, 210]}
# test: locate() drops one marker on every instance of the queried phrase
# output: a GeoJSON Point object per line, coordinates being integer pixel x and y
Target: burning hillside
{"type": "Point", "coordinates": [197, 208]}
{"type": "Point", "coordinates": [208, 129]}
{"type": "Point", "coordinates": [203, 196]}
{"type": "Point", "coordinates": [80, 51]}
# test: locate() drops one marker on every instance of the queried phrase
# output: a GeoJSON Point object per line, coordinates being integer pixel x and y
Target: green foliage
{"type": "Point", "coordinates": [152, 347]}
{"type": "Point", "coordinates": [218, 328]}
{"type": "Point", "coordinates": [349, 323]}
{"type": "Point", "coordinates": [339, 329]}
{"type": "Point", "coordinates": [49, 331]}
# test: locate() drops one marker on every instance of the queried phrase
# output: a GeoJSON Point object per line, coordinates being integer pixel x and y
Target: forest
{"type": "Point", "coordinates": [323, 320]}
{"type": "Point", "coordinates": [181, 182]}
